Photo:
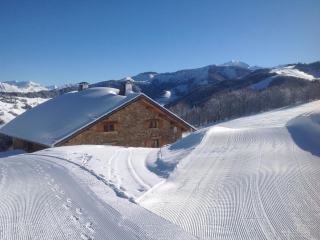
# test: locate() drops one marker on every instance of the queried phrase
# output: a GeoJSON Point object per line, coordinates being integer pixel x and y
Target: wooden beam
{"type": "Point", "coordinates": [148, 107]}
{"type": "Point", "coordinates": [162, 115]}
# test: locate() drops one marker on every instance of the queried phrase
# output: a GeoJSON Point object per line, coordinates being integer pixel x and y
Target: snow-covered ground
{"type": "Point", "coordinates": [55, 194]}
{"type": "Point", "coordinates": [255, 177]}
{"type": "Point", "coordinates": [10, 107]}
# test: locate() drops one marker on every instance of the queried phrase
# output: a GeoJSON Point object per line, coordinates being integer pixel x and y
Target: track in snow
{"type": "Point", "coordinates": [36, 203]}
{"type": "Point", "coordinates": [249, 183]}
{"type": "Point", "coordinates": [40, 199]}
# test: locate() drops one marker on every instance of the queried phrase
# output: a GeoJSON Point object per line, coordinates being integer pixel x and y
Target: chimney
{"type": "Point", "coordinates": [125, 88]}
{"type": "Point", "coordinates": [83, 86]}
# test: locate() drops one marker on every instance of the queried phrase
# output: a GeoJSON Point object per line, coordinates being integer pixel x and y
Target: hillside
{"type": "Point", "coordinates": [255, 177]}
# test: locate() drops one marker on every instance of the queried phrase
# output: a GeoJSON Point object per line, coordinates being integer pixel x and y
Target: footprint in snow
{"type": "Point", "coordinates": [85, 237]}
{"type": "Point", "coordinates": [79, 211]}
{"type": "Point", "coordinates": [69, 200]}
{"type": "Point", "coordinates": [62, 192]}
{"type": "Point", "coordinates": [57, 196]}
{"type": "Point", "coordinates": [89, 227]}
{"type": "Point", "coordinates": [74, 218]}
{"type": "Point", "coordinates": [66, 206]}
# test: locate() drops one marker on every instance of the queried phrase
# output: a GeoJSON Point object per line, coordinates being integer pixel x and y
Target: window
{"type": "Point", "coordinates": [153, 124]}
{"type": "Point", "coordinates": [108, 128]}
{"type": "Point", "coordinates": [154, 143]}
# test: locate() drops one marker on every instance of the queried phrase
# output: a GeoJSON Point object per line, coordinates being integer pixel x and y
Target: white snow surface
{"type": "Point", "coordinates": [263, 84]}
{"type": "Point", "coordinates": [255, 177]}
{"type": "Point", "coordinates": [290, 71]}
{"type": "Point", "coordinates": [55, 194]}
{"type": "Point", "coordinates": [286, 71]}
{"type": "Point", "coordinates": [58, 118]}
{"type": "Point", "coordinates": [10, 106]}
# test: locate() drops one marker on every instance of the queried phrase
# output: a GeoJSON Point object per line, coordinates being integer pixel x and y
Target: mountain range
{"type": "Point", "coordinates": [25, 87]}
{"type": "Point", "coordinates": [199, 83]}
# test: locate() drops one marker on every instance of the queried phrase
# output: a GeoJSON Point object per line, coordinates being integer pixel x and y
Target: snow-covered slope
{"type": "Point", "coordinates": [288, 71]}
{"type": "Point", "coordinates": [255, 177]}
{"type": "Point", "coordinates": [10, 107]}
{"type": "Point", "coordinates": [49, 196]}
{"type": "Point", "coordinates": [292, 72]}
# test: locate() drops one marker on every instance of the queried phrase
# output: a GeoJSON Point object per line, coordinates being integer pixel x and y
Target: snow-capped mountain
{"type": "Point", "coordinates": [236, 63]}
{"type": "Point", "coordinates": [16, 86]}
{"type": "Point", "coordinates": [241, 64]}
{"type": "Point", "coordinates": [25, 87]}
{"type": "Point", "coordinates": [55, 87]}
{"type": "Point", "coordinates": [170, 86]}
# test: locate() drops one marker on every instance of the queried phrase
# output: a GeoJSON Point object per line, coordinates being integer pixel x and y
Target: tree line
{"type": "Point", "coordinates": [283, 91]}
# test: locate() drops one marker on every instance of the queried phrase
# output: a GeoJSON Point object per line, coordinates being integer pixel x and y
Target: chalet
{"type": "Point", "coordinates": [97, 116]}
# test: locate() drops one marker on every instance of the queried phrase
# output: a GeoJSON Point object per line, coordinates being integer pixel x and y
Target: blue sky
{"type": "Point", "coordinates": [56, 42]}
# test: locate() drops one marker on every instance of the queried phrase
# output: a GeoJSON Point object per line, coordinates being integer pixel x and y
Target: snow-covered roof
{"type": "Point", "coordinates": [61, 117]}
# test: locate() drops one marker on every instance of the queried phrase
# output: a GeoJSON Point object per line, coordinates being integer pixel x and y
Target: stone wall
{"type": "Point", "coordinates": [130, 126]}
{"type": "Point", "coordinates": [25, 145]}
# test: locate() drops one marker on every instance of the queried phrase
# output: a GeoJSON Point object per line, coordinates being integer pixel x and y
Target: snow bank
{"type": "Point", "coordinates": [305, 132]}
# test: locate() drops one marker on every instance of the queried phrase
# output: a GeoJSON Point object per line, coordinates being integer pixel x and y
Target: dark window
{"type": "Point", "coordinates": [108, 128]}
{"type": "Point", "coordinates": [154, 143]}
{"type": "Point", "coordinates": [153, 124]}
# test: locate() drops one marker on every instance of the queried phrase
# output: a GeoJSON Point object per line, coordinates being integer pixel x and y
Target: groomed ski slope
{"type": "Point", "coordinates": [47, 196]}
{"type": "Point", "coordinates": [256, 177]}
